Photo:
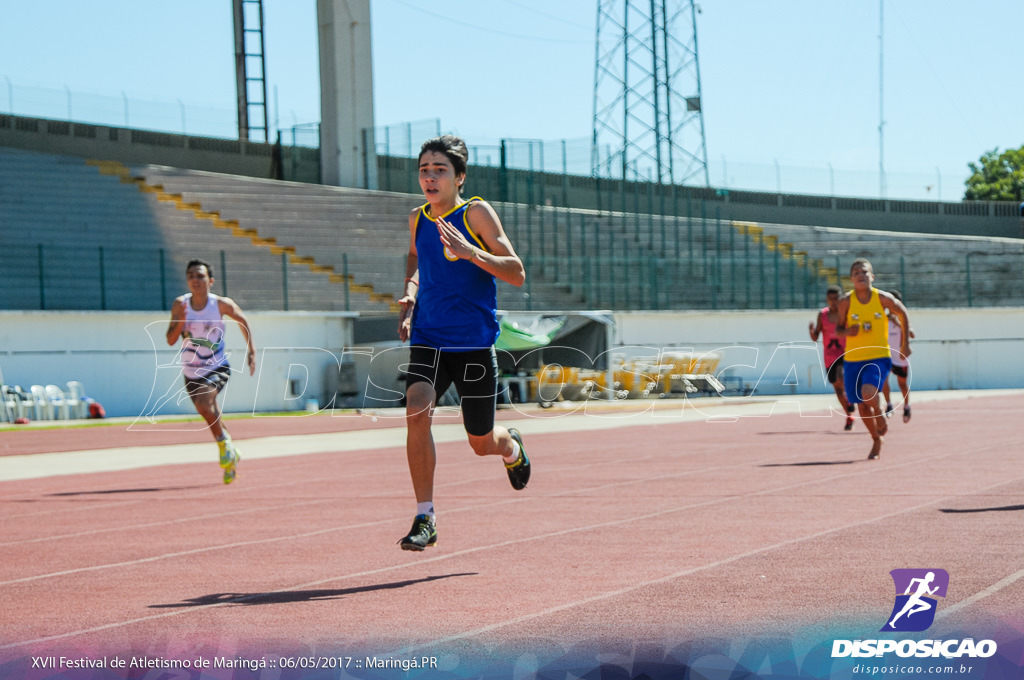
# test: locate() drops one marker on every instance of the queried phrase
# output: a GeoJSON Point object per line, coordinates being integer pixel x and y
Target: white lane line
{"type": "Point", "coordinates": [980, 595]}
{"type": "Point", "coordinates": [587, 416]}
{"type": "Point", "coordinates": [33, 466]}
{"type": "Point", "coordinates": [489, 504]}
{"type": "Point", "coordinates": [166, 522]}
{"type": "Point", "coordinates": [562, 532]}
{"type": "Point", "coordinates": [719, 563]}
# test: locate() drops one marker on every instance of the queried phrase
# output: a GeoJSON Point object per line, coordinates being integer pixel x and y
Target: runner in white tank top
{"type": "Point", "coordinates": [202, 347]}
{"type": "Point", "coordinates": [198, 319]}
{"type": "Point", "coordinates": [900, 365]}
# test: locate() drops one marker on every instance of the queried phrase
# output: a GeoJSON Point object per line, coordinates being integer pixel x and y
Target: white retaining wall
{"type": "Point", "coordinates": [123, 360]}
{"type": "Point", "coordinates": [975, 348]}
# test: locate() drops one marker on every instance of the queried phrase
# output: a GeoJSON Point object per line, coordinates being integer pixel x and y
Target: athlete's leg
{"type": "Point", "coordinates": [475, 374]}
{"type": "Point", "coordinates": [871, 415]}
{"type": "Point", "coordinates": [837, 385]}
{"type": "Point", "coordinates": [478, 386]}
{"type": "Point", "coordinates": [905, 389]}
{"type": "Point", "coordinates": [205, 401]}
{"type": "Point", "coordinates": [419, 443]}
{"type": "Point", "coordinates": [870, 377]}
{"type": "Point", "coordinates": [497, 442]}
{"type": "Point", "coordinates": [870, 406]}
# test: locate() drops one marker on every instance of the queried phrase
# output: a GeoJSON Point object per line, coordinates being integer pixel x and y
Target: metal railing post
{"type": "Point", "coordinates": [284, 279]}
{"type": "Point", "coordinates": [223, 273]}
{"type": "Point", "coordinates": [970, 297]}
{"type": "Point", "coordinates": [778, 273]}
{"type": "Point", "coordinates": [42, 279]}
{"type": "Point", "coordinates": [348, 279]}
{"type": "Point", "coordinates": [103, 283]}
{"type": "Point", "coordinates": [163, 280]}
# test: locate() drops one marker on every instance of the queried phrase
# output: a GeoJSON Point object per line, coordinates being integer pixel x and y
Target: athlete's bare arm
{"type": "Point", "coordinates": [900, 311]}
{"type": "Point", "coordinates": [177, 324]}
{"type": "Point", "coordinates": [412, 281]}
{"type": "Point", "coordinates": [815, 328]}
{"type": "Point", "coordinates": [499, 258]}
{"type": "Point", "coordinates": [230, 309]}
{"type": "Point", "coordinates": [842, 330]}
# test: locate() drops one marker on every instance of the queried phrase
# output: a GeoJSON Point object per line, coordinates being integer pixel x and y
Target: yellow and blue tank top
{"type": "Point", "coordinates": [872, 341]}
{"type": "Point", "coordinates": [457, 302]}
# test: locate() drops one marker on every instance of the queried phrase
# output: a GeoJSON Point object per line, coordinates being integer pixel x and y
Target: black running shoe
{"type": "Point", "coordinates": [519, 471]}
{"type": "Point", "coordinates": [422, 535]}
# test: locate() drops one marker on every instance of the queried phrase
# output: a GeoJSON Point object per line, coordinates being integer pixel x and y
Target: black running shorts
{"type": "Point", "coordinates": [214, 381]}
{"type": "Point", "coordinates": [474, 374]}
{"type": "Point", "coordinates": [833, 370]}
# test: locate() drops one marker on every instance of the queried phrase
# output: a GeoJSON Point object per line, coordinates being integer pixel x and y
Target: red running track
{"type": "Point", "coordinates": [663, 531]}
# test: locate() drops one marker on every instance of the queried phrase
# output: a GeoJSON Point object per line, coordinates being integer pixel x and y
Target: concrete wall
{"type": "Point", "coordinates": [143, 147]}
{"type": "Point", "coordinates": [974, 348]}
{"type": "Point", "coordinates": [124, 362]}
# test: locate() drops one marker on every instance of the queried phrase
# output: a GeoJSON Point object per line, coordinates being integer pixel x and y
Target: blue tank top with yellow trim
{"type": "Point", "coordinates": [457, 302]}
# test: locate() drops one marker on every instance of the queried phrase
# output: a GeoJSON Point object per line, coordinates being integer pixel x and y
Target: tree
{"type": "Point", "coordinates": [997, 177]}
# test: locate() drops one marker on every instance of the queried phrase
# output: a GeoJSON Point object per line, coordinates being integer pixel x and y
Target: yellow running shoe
{"type": "Point", "coordinates": [228, 459]}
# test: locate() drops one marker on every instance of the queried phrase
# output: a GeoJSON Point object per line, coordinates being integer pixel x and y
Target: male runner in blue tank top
{"type": "Point", "coordinates": [457, 247]}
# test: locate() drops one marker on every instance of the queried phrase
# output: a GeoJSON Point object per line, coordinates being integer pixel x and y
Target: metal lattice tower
{"type": "Point", "coordinates": [250, 70]}
{"type": "Point", "coordinates": [648, 122]}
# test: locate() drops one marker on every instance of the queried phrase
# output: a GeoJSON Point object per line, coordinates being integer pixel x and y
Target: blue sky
{"type": "Point", "coordinates": [790, 88]}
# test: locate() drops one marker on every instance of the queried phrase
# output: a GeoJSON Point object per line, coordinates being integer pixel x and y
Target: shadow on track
{"type": "Point", "coordinates": [810, 463]}
{"type": "Point", "coordinates": [1005, 508]}
{"type": "Point", "coordinates": [288, 596]}
{"type": "Point", "coordinates": [114, 491]}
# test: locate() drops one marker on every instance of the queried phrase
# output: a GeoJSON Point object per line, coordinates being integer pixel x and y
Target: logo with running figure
{"type": "Point", "coordinates": [916, 592]}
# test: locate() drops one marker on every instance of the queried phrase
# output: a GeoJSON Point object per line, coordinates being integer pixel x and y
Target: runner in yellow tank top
{"type": "Point", "coordinates": [867, 361]}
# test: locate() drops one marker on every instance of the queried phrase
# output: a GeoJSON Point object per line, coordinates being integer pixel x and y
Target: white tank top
{"type": "Point", "coordinates": [202, 350]}
{"type": "Point", "coordinates": [896, 343]}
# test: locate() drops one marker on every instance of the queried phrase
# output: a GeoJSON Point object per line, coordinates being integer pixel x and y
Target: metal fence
{"type": "Point", "coordinates": [702, 266]}
{"type": "Point", "coordinates": [50, 277]}
{"type": "Point", "coordinates": [573, 156]}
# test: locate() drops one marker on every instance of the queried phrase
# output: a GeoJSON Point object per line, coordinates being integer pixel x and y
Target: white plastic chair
{"type": "Point", "coordinates": [8, 404]}
{"type": "Point", "coordinates": [41, 407]}
{"type": "Point", "coordinates": [58, 403]}
{"type": "Point", "coordinates": [22, 401]}
{"type": "Point", "coordinates": [76, 401]}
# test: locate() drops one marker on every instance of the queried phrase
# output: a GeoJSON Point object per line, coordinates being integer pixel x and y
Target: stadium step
{"type": "Point", "coordinates": [214, 217]}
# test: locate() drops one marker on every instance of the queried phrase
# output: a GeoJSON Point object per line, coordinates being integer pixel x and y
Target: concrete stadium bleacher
{"type": "Point", "coordinates": [643, 261]}
{"type": "Point", "coordinates": [930, 270]}
{"type": "Point", "coordinates": [361, 232]}
{"type": "Point", "coordinates": [80, 239]}
{"type": "Point", "coordinates": [84, 234]}
{"type": "Point", "coordinates": [653, 262]}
